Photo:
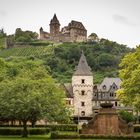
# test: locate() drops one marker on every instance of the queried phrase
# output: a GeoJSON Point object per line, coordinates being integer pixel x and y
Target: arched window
{"type": "Point", "coordinates": [104, 87]}
{"type": "Point", "coordinates": [82, 113]}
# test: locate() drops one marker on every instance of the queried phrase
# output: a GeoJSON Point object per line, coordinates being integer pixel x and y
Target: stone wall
{"type": "Point", "coordinates": [107, 122]}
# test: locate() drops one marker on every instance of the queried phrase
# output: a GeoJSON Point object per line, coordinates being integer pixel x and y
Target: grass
{"type": "Point", "coordinates": [36, 137]}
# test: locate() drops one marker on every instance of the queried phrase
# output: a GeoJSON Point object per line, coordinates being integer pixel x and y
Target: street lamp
{"type": "Point", "coordinates": [78, 120]}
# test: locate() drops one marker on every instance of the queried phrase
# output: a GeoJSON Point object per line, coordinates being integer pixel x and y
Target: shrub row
{"type": "Point", "coordinates": [18, 131]}
{"type": "Point", "coordinates": [56, 135]}
{"type": "Point", "coordinates": [63, 127]}
{"type": "Point", "coordinates": [57, 127]}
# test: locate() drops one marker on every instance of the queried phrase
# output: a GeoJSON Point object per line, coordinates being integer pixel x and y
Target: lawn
{"type": "Point", "coordinates": [35, 137]}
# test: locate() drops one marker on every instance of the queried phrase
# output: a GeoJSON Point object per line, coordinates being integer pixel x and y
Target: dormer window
{"type": "Point", "coordinates": [114, 87]}
{"type": "Point", "coordinates": [104, 87]}
{"type": "Point", "coordinates": [83, 81]}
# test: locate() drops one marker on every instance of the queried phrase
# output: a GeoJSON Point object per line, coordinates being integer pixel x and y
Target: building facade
{"type": "Point", "coordinates": [74, 32]}
{"type": "Point", "coordinates": [85, 97]}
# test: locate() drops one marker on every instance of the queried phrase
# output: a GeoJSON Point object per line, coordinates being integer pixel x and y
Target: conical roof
{"type": "Point", "coordinates": [83, 68]}
{"type": "Point", "coordinates": [54, 20]}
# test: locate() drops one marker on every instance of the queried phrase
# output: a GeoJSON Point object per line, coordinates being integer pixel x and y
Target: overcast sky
{"type": "Point", "coordinates": [116, 20]}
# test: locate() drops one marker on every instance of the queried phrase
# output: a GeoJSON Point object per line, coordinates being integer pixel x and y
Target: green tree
{"type": "Point", "coordinates": [130, 75]}
{"type": "Point", "coordinates": [2, 33]}
{"type": "Point", "coordinates": [127, 116]}
{"type": "Point", "coordinates": [28, 93]}
{"type": "Point", "coordinates": [25, 36]}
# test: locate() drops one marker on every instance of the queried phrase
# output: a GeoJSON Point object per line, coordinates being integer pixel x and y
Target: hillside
{"type": "Point", "coordinates": [103, 57]}
{"type": "Point", "coordinates": [2, 42]}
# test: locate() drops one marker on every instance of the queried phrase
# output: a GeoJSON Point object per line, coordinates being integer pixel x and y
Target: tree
{"type": "Point", "coordinates": [127, 116]}
{"type": "Point", "coordinates": [2, 33]}
{"type": "Point", "coordinates": [129, 94]}
{"type": "Point", "coordinates": [28, 93]}
{"type": "Point", "coordinates": [25, 36]}
{"type": "Point", "coordinates": [106, 60]}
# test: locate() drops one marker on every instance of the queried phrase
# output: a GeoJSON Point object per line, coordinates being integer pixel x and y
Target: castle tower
{"type": "Point", "coordinates": [41, 33]}
{"type": "Point", "coordinates": [54, 26]}
{"type": "Point", "coordinates": [82, 84]}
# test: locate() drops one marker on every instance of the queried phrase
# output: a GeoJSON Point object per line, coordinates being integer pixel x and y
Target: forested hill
{"type": "Point", "coordinates": [103, 57]}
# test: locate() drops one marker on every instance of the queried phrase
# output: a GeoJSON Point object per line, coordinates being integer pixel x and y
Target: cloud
{"type": "Point", "coordinates": [124, 20]}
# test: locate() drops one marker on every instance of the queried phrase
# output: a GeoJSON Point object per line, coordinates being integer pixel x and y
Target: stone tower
{"type": "Point", "coordinates": [54, 26]}
{"type": "Point", "coordinates": [41, 33]}
{"type": "Point", "coordinates": [82, 84]}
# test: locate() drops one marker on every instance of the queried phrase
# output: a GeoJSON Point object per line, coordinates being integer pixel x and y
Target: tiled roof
{"type": "Point", "coordinates": [108, 82]}
{"type": "Point", "coordinates": [76, 24]}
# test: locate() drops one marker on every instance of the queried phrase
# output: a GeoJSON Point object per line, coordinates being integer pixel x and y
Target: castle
{"type": "Point", "coordinates": [74, 32]}
{"type": "Point", "coordinates": [84, 97]}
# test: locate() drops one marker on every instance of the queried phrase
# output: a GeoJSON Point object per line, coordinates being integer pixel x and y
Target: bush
{"type": "Point", "coordinates": [56, 135]}
{"type": "Point", "coordinates": [127, 116]}
{"type": "Point", "coordinates": [18, 131]}
{"type": "Point", "coordinates": [63, 127]}
{"type": "Point", "coordinates": [10, 131]}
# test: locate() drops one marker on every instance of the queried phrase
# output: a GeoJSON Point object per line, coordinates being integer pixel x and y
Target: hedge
{"type": "Point", "coordinates": [18, 131]}
{"type": "Point", "coordinates": [56, 127]}
{"type": "Point", "coordinates": [63, 127]}
{"type": "Point", "coordinates": [57, 135]}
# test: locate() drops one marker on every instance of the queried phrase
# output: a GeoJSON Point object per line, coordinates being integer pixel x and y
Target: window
{"type": "Point", "coordinates": [83, 92]}
{"type": "Point", "coordinates": [83, 81]}
{"type": "Point", "coordinates": [104, 87]}
{"type": "Point", "coordinates": [111, 94]}
{"type": "Point", "coordinates": [68, 102]}
{"type": "Point", "coordinates": [114, 87]}
{"type": "Point", "coordinates": [83, 113]}
{"type": "Point", "coordinates": [95, 94]}
{"type": "Point", "coordinates": [95, 87]}
{"type": "Point", "coordinates": [115, 103]}
{"type": "Point", "coordinates": [82, 103]}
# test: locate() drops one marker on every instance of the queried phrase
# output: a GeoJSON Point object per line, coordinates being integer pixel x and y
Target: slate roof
{"type": "Point", "coordinates": [108, 82]}
{"type": "Point", "coordinates": [76, 24]}
{"type": "Point", "coordinates": [83, 69]}
{"type": "Point", "coordinates": [68, 89]}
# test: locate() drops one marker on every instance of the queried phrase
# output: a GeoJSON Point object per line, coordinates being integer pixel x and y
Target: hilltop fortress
{"type": "Point", "coordinates": [74, 32]}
